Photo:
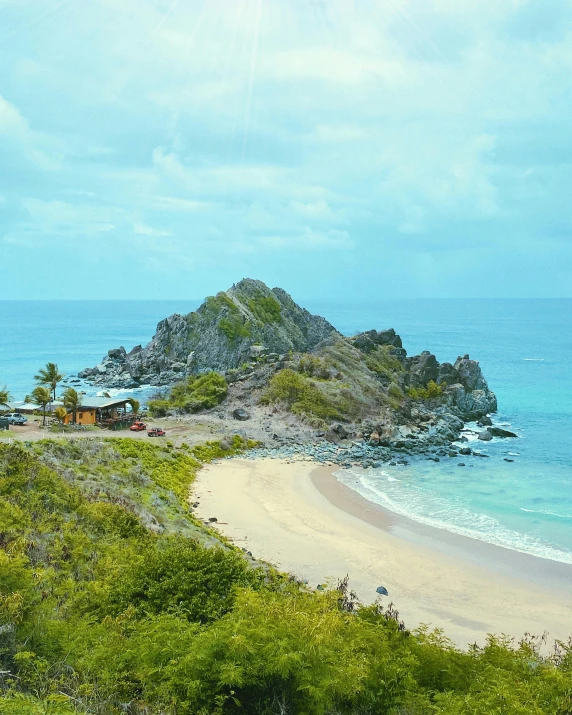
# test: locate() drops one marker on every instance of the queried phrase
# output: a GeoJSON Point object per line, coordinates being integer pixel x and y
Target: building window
{"type": "Point", "coordinates": [80, 415]}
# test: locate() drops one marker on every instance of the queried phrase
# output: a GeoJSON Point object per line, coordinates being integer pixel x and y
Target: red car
{"type": "Point", "coordinates": [138, 427]}
{"type": "Point", "coordinates": [156, 432]}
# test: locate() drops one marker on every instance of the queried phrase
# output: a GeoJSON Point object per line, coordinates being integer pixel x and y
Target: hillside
{"type": "Point", "coordinates": [115, 600]}
{"type": "Point", "coordinates": [220, 335]}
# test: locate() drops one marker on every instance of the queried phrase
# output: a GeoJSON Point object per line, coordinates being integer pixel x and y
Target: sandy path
{"type": "Point", "coordinates": [275, 510]}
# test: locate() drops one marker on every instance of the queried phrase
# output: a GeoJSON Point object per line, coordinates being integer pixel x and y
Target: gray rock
{"type": "Point", "coordinates": [422, 369]}
{"type": "Point", "coordinates": [240, 414]}
{"type": "Point", "coordinates": [117, 353]}
{"type": "Point", "coordinates": [485, 436]}
{"type": "Point", "coordinates": [499, 432]}
{"type": "Point", "coordinates": [370, 340]}
{"type": "Point", "coordinates": [485, 421]}
{"type": "Point", "coordinates": [340, 430]}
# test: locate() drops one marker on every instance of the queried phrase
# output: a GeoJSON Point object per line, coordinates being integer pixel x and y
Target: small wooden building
{"type": "Point", "coordinates": [106, 411]}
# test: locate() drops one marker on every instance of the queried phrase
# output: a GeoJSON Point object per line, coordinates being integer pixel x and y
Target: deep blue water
{"type": "Point", "coordinates": [525, 350]}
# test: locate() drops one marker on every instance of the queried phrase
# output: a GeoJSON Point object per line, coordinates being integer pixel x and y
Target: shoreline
{"type": "Point", "coordinates": [299, 517]}
{"type": "Point", "coordinates": [517, 564]}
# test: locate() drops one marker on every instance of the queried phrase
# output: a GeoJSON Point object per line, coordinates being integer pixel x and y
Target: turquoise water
{"type": "Point", "coordinates": [524, 347]}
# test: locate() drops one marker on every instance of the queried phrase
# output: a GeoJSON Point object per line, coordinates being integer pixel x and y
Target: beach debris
{"type": "Point", "coordinates": [382, 591]}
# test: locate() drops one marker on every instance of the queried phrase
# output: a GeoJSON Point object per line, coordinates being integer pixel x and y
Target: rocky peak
{"type": "Point", "coordinates": [219, 335]}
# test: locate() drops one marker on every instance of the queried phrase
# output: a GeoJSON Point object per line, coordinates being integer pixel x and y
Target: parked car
{"type": "Point", "coordinates": [15, 418]}
{"type": "Point", "coordinates": [156, 432]}
{"type": "Point", "coordinates": [138, 427]}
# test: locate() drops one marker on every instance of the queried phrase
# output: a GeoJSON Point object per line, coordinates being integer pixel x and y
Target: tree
{"type": "Point", "coordinates": [135, 405]}
{"type": "Point", "coordinates": [50, 376]}
{"type": "Point", "coordinates": [72, 400]}
{"type": "Point", "coordinates": [42, 396]}
{"type": "Point", "coordinates": [4, 397]}
{"type": "Point", "coordinates": [60, 413]}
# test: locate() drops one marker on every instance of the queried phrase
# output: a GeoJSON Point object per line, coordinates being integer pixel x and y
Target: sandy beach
{"type": "Point", "coordinates": [300, 518]}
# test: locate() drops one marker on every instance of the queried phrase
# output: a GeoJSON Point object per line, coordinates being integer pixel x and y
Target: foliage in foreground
{"type": "Point", "coordinates": [194, 394]}
{"type": "Point", "coordinates": [108, 605]}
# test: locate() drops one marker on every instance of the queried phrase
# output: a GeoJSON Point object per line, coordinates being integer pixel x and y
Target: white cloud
{"type": "Point", "coordinates": [141, 229]}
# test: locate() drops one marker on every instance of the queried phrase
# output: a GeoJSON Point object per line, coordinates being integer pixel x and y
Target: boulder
{"type": "Point", "coordinates": [422, 369]}
{"type": "Point", "coordinates": [117, 353]}
{"type": "Point", "coordinates": [465, 451]}
{"type": "Point", "coordinates": [371, 339]}
{"type": "Point", "coordinates": [470, 404]}
{"type": "Point", "coordinates": [485, 421]}
{"type": "Point", "coordinates": [447, 374]}
{"type": "Point", "coordinates": [240, 414]}
{"type": "Point", "coordinates": [470, 374]}
{"type": "Point", "coordinates": [255, 352]}
{"type": "Point", "coordinates": [499, 432]}
{"type": "Point", "coordinates": [485, 436]}
{"type": "Point", "coordinates": [340, 430]}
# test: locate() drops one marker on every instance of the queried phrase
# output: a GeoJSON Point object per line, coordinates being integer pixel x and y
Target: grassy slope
{"type": "Point", "coordinates": [114, 600]}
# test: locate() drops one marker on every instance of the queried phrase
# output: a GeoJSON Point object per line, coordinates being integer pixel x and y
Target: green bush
{"type": "Point", "coordinates": [235, 327]}
{"type": "Point", "coordinates": [266, 309]}
{"type": "Point", "coordinates": [314, 366]}
{"type": "Point", "coordinates": [300, 395]}
{"type": "Point", "coordinates": [382, 362]}
{"type": "Point", "coordinates": [181, 576]}
{"type": "Point", "coordinates": [431, 392]}
{"type": "Point", "coordinates": [196, 393]}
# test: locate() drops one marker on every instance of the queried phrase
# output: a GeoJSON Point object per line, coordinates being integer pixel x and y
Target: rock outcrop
{"type": "Point", "coordinates": [251, 325]}
{"type": "Point", "coordinates": [222, 334]}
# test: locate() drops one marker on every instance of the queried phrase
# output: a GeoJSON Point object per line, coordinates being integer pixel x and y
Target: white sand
{"type": "Point", "coordinates": [276, 511]}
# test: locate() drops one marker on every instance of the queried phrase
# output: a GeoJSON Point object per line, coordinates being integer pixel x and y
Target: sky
{"type": "Point", "coordinates": [341, 149]}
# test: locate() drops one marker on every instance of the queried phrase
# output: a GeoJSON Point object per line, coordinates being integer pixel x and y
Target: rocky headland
{"type": "Point", "coordinates": [293, 380]}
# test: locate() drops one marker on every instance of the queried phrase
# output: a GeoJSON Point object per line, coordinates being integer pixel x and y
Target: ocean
{"type": "Point", "coordinates": [525, 350]}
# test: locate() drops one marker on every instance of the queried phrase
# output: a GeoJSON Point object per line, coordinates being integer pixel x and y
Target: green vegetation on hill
{"type": "Point", "coordinates": [195, 393]}
{"type": "Point", "coordinates": [431, 392]}
{"type": "Point", "coordinates": [337, 382]}
{"type": "Point", "coordinates": [266, 309]}
{"type": "Point", "coordinates": [114, 600]}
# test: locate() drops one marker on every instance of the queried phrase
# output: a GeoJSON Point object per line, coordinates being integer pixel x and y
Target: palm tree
{"type": "Point", "coordinates": [42, 396]}
{"type": "Point", "coordinates": [60, 413]}
{"type": "Point", "coordinates": [72, 400]}
{"type": "Point", "coordinates": [135, 405]}
{"type": "Point", "coordinates": [4, 397]}
{"type": "Point", "coordinates": [50, 376]}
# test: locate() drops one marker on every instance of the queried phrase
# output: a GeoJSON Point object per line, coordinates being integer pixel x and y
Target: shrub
{"type": "Point", "coordinates": [235, 327]}
{"type": "Point", "coordinates": [382, 362]}
{"type": "Point", "coordinates": [431, 392]}
{"type": "Point", "coordinates": [196, 393]}
{"type": "Point", "coordinates": [314, 366]}
{"type": "Point", "coordinates": [300, 396]}
{"type": "Point", "coordinates": [181, 576]}
{"type": "Point", "coordinates": [266, 309]}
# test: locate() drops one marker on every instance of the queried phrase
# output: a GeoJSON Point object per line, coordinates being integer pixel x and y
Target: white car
{"type": "Point", "coordinates": [15, 418]}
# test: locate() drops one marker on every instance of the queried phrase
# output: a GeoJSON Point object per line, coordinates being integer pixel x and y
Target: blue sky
{"type": "Point", "coordinates": [338, 148]}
